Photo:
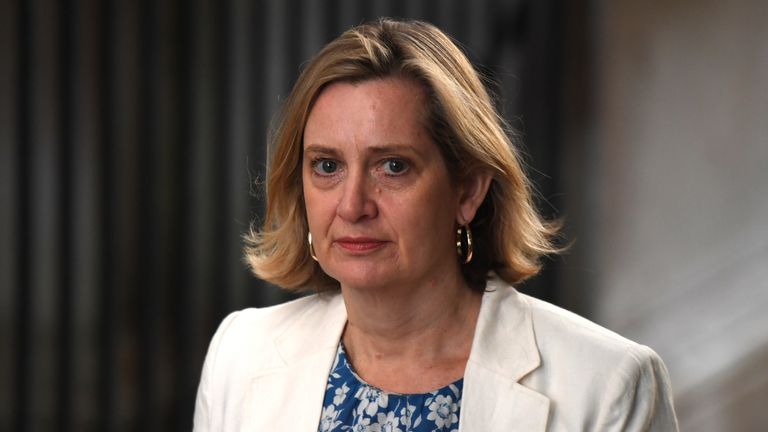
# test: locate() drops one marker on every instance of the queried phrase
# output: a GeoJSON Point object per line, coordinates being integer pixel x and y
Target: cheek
{"type": "Point", "coordinates": [320, 209]}
{"type": "Point", "coordinates": [310, 203]}
{"type": "Point", "coordinates": [425, 218]}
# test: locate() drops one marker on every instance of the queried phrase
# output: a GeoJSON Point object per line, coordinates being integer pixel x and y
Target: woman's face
{"type": "Point", "coordinates": [380, 204]}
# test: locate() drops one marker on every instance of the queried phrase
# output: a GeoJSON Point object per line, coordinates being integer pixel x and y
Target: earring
{"type": "Point", "coordinates": [311, 248]}
{"type": "Point", "coordinates": [464, 236]}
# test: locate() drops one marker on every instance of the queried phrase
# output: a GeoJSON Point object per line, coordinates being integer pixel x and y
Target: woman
{"type": "Point", "coordinates": [396, 195]}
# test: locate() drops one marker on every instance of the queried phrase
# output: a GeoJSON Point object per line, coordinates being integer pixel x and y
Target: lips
{"type": "Point", "coordinates": [359, 244]}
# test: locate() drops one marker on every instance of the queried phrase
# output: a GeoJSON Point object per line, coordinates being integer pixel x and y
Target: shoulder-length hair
{"type": "Point", "coordinates": [510, 236]}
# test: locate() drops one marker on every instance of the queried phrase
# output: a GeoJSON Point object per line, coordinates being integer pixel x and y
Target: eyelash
{"type": "Point", "coordinates": [316, 166]}
{"type": "Point", "coordinates": [405, 164]}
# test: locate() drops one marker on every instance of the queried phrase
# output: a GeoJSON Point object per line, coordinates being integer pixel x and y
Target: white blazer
{"type": "Point", "coordinates": [532, 367]}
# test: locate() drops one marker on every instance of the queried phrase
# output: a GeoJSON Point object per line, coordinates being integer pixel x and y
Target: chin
{"type": "Point", "coordinates": [360, 281]}
{"type": "Point", "coordinates": [362, 271]}
{"type": "Point", "coordinates": [361, 277]}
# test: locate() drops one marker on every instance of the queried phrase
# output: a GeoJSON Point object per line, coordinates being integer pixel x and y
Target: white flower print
{"type": "Point", "coordinates": [455, 390]}
{"type": "Point", "coordinates": [386, 423]}
{"type": "Point", "coordinates": [406, 414]}
{"type": "Point", "coordinates": [370, 400]}
{"type": "Point", "coordinates": [340, 394]}
{"type": "Point", "coordinates": [328, 420]}
{"type": "Point", "coordinates": [361, 425]}
{"type": "Point", "coordinates": [351, 405]}
{"type": "Point", "coordinates": [443, 411]}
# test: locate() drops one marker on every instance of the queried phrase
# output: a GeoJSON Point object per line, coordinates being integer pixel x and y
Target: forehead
{"type": "Point", "coordinates": [387, 89]}
{"type": "Point", "coordinates": [393, 107]}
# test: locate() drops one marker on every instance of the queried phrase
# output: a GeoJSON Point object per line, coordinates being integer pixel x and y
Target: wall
{"type": "Point", "coordinates": [673, 201]}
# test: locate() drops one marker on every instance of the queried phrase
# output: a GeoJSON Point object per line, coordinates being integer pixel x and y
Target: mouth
{"type": "Point", "coordinates": [359, 244]}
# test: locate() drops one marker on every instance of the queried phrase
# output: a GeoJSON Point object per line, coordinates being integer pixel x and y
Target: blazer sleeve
{"type": "Point", "coordinates": [639, 395]}
{"type": "Point", "coordinates": [203, 418]}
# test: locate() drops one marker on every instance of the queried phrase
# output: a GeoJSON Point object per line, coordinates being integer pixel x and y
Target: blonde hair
{"type": "Point", "coordinates": [509, 235]}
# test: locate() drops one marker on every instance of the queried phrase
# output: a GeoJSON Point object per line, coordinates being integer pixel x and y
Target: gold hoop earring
{"type": "Point", "coordinates": [311, 248]}
{"type": "Point", "coordinates": [464, 236]}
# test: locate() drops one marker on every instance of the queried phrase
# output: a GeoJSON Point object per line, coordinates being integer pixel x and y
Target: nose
{"type": "Point", "coordinates": [357, 201]}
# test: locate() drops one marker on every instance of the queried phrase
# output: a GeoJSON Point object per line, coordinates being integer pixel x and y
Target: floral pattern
{"type": "Point", "coordinates": [352, 405]}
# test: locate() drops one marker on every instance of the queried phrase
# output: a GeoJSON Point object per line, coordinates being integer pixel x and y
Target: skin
{"type": "Point", "coordinates": [383, 214]}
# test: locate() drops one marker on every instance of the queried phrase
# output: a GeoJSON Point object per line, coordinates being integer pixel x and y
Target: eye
{"type": "Point", "coordinates": [325, 167]}
{"type": "Point", "coordinates": [395, 166]}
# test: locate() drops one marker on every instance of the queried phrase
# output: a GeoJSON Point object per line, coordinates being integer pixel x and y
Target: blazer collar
{"type": "Point", "coordinates": [504, 340]}
{"type": "Point", "coordinates": [504, 351]}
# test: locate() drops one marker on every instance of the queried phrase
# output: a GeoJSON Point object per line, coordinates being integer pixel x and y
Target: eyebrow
{"type": "Point", "coordinates": [393, 148]}
{"type": "Point", "coordinates": [317, 148]}
{"type": "Point", "coordinates": [386, 148]}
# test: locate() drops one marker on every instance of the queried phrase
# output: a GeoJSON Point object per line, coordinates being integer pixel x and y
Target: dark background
{"type": "Point", "coordinates": [132, 140]}
{"type": "Point", "coordinates": [136, 136]}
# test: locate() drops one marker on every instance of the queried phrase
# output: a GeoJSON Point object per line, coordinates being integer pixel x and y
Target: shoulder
{"type": "Point", "coordinates": [559, 331]}
{"type": "Point", "coordinates": [245, 332]}
{"type": "Point", "coordinates": [618, 383]}
{"type": "Point", "coordinates": [251, 342]}
{"type": "Point", "coordinates": [248, 341]}
{"type": "Point", "coordinates": [573, 345]}
{"type": "Point", "coordinates": [268, 320]}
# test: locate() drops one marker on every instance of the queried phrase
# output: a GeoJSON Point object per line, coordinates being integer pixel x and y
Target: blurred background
{"type": "Point", "coordinates": [132, 138]}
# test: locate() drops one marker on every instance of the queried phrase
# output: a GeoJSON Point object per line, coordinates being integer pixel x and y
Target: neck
{"type": "Point", "coordinates": [429, 320]}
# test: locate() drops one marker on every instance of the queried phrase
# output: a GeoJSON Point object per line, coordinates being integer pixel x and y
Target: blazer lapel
{"type": "Point", "coordinates": [494, 403]}
{"type": "Point", "coordinates": [289, 395]}
{"type": "Point", "coordinates": [503, 352]}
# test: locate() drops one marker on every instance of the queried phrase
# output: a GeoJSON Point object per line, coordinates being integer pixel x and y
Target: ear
{"type": "Point", "coordinates": [472, 193]}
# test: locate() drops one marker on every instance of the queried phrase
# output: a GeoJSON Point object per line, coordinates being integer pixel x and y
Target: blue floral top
{"type": "Point", "coordinates": [353, 405]}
